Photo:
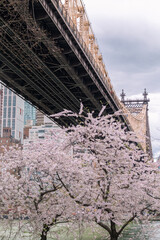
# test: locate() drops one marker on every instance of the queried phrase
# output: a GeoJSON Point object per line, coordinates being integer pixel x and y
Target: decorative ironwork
{"type": "Point", "coordinates": [136, 108]}
{"type": "Point", "coordinates": [122, 95]}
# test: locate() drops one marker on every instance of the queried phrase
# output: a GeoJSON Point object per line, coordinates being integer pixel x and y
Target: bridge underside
{"type": "Point", "coordinates": [43, 61]}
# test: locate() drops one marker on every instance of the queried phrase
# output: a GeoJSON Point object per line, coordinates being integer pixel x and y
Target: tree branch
{"type": "Point", "coordinates": [71, 195]}
{"type": "Point", "coordinates": [104, 226]}
{"type": "Point", "coordinates": [157, 198]}
{"type": "Point", "coordinates": [130, 220]}
{"type": "Point", "coordinates": [44, 193]}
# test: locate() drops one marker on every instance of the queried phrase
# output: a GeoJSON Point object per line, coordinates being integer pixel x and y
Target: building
{"type": "Point", "coordinates": [29, 113]}
{"type": "Point", "coordinates": [41, 132]}
{"type": "Point", "coordinates": [7, 140]}
{"type": "Point", "coordinates": [26, 131]}
{"type": "Point", "coordinates": [39, 118]}
{"type": "Point", "coordinates": [12, 114]}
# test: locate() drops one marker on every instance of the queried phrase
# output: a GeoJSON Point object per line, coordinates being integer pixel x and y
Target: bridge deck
{"type": "Point", "coordinates": [44, 59]}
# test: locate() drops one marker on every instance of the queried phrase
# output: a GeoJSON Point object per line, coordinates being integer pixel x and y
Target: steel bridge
{"type": "Point", "coordinates": [49, 56]}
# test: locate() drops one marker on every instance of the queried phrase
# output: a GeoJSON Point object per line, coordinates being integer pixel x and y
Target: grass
{"type": "Point", "coordinates": [18, 230]}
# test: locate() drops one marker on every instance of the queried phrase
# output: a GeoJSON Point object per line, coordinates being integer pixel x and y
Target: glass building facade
{"type": "Point", "coordinates": [13, 113]}
{"type": "Point", "coordinates": [29, 113]}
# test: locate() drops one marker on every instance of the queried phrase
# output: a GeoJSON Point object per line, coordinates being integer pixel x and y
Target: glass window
{"type": "Point", "coordinates": [13, 134]}
{"type": "Point", "coordinates": [9, 122]}
{"type": "Point", "coordinates": [4, 112]}
{"type": "Point", "coordinates": [48, 126]}
{"type": "Point", "coordinates": [5, 91]}
{"type": "Point", "coordinates": [4, 122]}
{"type": "Point", "coordinates": [14, 100]}
{"type": "Point", "coordinates": [9, 112]}
{"type": "Point", "coordinates": [9, 101]}
{"type": "Point", "coordinates": [10, 92]}
{"type": "Point", "coordinates": [41, 131]}
{"type": "Point", "coordinates": [5, 101]}
{"type": "Point", "coordinates": [14, 112]}
{"type": "Point", "coordinates": [13, 124]}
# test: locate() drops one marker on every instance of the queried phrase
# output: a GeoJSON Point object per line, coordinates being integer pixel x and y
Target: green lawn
{"type": "Point", "coordinates": [18, 230]}
{"type": "Point", "coordinates": [21, 230]}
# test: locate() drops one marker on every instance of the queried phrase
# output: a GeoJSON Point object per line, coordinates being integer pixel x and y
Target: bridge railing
{"type": "Point", "coordinates": [103, 75]}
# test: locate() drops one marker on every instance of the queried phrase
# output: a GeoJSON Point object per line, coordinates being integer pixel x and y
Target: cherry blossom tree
{"type": "Point", "coordinates": [119, 182]}
{"type": "Point", "coordinates": [30, 185]}
{"type": "Point", "coordinates": [94, 171]}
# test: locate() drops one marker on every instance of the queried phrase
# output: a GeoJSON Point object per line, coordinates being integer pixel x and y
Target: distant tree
{"type": "Point", "coordinates": [93, 171]}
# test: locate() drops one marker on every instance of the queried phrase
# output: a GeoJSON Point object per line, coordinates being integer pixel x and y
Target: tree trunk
{"type": "Point", "coordinates": [113, 234]}
{"type": "Point", "coordinates": [114, 237]}
{"type": "Point", "coordinates": [44, 232]}
{"type": "Point", "coordinates": [44, 236]}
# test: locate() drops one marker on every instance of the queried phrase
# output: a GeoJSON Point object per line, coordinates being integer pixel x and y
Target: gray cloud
{"type": "Point", "coordinates": [129, 55]}
{"type": "Point", "coordinates": [128, 34]}
{"type": "Point", "coordinates": [132, 58]}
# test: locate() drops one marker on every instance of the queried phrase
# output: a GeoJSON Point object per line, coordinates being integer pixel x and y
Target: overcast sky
{"type": "Point", "coordinates": [128, 34]}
